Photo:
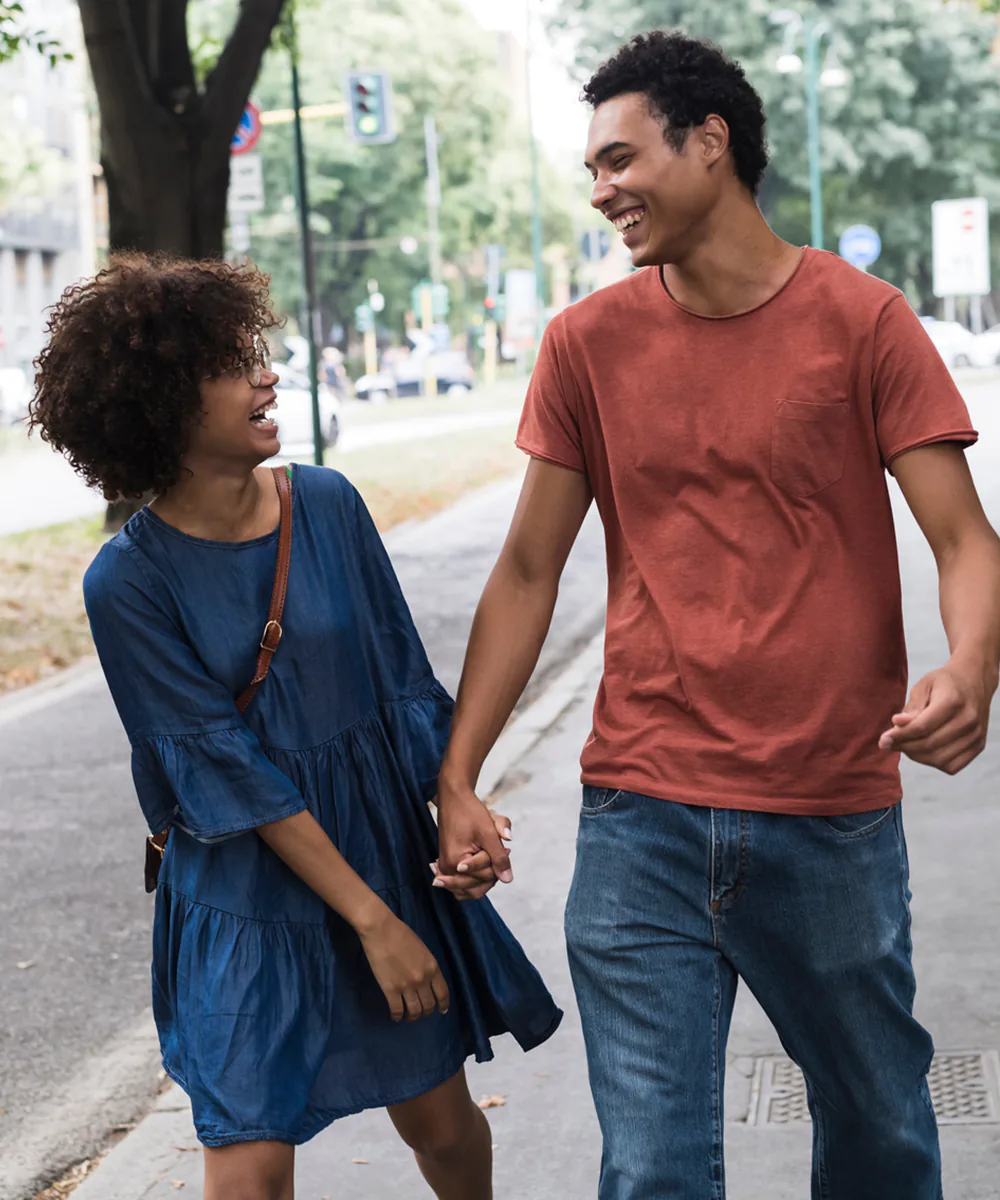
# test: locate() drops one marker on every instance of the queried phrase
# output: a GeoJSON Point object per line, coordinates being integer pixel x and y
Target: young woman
{"type": "Point", "coordinates": [304, 965]}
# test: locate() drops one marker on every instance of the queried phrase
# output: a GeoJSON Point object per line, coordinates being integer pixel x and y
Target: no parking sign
{"type": "Point", "coordinates": [247, 131]}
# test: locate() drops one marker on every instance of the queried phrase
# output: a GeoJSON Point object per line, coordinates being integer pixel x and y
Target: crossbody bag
{"type": "Point", "coordinates": [270, 639]}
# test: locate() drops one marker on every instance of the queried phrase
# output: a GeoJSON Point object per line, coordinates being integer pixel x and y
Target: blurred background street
{"type": "Point", "coordinates": [411, 177]}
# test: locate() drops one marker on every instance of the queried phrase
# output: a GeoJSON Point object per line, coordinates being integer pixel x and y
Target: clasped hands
{"type": "Point", "coordinates": [473, 846]}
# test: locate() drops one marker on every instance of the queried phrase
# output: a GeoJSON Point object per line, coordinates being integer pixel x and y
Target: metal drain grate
{"type": "Point", "coordinates": [965, 1088]}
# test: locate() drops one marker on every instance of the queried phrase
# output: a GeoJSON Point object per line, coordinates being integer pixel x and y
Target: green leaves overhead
{"type": "Point", "coordinates": [368, 198]}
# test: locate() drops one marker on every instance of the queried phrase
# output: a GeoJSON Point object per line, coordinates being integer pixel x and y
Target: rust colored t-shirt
{"type": "Point", "coordinates": [754, 648]}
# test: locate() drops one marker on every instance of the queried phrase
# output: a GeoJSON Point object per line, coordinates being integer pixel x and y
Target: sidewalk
{"type": "Point", "coordinates": [546, 1135]}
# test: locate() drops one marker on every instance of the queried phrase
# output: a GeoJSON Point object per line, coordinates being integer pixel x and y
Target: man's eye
{"type": "Point", "coordinates": [621, 163]}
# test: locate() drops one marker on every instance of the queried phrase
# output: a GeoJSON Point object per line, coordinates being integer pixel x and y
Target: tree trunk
{"type": "Point", "coordinates": [165, 143]}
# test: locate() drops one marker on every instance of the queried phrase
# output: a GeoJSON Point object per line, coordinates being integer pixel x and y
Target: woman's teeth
{"type": "Point", "coordinates": [259, 415]}
{"type": "Point", "coordinates": [627, 220]}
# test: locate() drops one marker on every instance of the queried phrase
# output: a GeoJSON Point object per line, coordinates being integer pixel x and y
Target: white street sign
{"type": "Point", "coordinates": [521, 310]}
{"type": "Point", "coordinates": [961, 247]}
{"type": "Point", "coordinates": [246, 184]}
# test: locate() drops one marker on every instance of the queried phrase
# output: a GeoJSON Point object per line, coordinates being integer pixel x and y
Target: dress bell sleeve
{"type": "Point", "coordinates": [195, 762]}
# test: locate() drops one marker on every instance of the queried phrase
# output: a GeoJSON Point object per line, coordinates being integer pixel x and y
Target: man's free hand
{"type": "Point", "coordinates": [945, 719]}
{"type": "Point", "coordinates": [473, 854]}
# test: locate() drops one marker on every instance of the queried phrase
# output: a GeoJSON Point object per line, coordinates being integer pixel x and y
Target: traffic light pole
{"type": "Point", "coordinates": [308, 266]}
{"type": "Point", "coordinates": [433, 243]}
{"type": "Point", "coordinates": [536, 197]}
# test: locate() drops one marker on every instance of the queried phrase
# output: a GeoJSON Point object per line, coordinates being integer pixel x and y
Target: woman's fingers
{"type": "Point", "coordinates": [414, 1005]}
{"type": "Point", "coordinates": [440, 990]}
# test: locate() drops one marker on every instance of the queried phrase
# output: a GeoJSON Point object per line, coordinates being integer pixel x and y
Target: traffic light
{"type": "Point", "coordinates": [494, 309]}
{"type": "Point", "coordinates": [370, 117]}
{"type": "Point", "coordinates": [364, 318]}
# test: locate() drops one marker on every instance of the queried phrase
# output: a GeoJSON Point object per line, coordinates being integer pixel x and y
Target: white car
{"type": "Point", "coordinates": [988, 348]}
{"type": "Point", "coordinates": [294, 412]}
{"type": "Point", "coordinates": [956, 344]}
{"type": "Point", "coordinates": [15, 393]}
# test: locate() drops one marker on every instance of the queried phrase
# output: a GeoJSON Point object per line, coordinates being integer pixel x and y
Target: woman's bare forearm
{"type": "Point", "coordinates": [303, 845]}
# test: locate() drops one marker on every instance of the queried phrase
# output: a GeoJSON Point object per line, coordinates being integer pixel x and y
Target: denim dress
{"type": "Point", "coordinates": [268, 1013]}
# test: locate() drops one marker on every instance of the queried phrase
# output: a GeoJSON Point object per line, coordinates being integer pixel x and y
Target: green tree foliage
{"type": "Point", "coordinates": [16, 36]}
{"type": "Point", "coordinates": [917, 121]}
{"type": "Point", "coordinates": [365, 199]}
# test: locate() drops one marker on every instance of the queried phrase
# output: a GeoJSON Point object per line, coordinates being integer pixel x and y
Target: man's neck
{"type": "Point", "coordinates": [736, 264]}
{"type": "Point", "coordinates": [218, 505]}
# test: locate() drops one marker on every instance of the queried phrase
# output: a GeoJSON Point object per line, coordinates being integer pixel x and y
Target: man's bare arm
{"type": "Point", "coordinates": [945, 720]}
{"type": "Point", "coordinates": [510, 625]}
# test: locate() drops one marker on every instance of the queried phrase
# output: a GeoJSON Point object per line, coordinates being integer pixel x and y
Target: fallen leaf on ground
{"type": "Point", "coordinates": [177, 1183]}
{"type": "Point", "coordinates": [492, 1102]}
{"type": "Point", "coordinates": [23, 966]}
{"type": "Point", "coordinates": [361, 1162]}
{"type": "Point", "coordinates": [187, 1147]}
{"type": "Point", "coordinates": [542, 1075]}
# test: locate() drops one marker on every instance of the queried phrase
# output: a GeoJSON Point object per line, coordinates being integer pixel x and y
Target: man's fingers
{"type": "Point", "coordinates": [441, 993]}
{"type": "Point", "coordinates": [950, 757]}
{"type": "Point", "coordinates": [397, 1009]}
{"type": "Point", "coordinates": [935, 716]}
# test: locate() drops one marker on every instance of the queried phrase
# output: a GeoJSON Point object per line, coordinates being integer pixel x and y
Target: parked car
{"type": "Point", "coordinates": [406, 376]}
{"type": "Point", "coordinates": [955, 343]}
{"type": "Point", "coordinates": [988, 347]}
{"type": "Point", "coordinates": [294, 412]}
{"type": "Point", "coordinates": [15, 392]}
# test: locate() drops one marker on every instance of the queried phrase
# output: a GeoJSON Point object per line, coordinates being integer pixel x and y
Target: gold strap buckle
{"type": "Point", "coordinates": [263, 641]}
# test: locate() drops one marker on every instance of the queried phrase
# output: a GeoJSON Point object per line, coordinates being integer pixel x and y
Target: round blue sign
{"type": "Point", "coordinates": [860, 245]}
{"type": "Point", "coordinates": [247, 131]}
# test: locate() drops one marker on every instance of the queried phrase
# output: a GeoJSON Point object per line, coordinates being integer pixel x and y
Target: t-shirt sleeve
{"type": "Point", "coordinates": [915, 398]}
{"type": "Point", "coordinates": [195, 762]}
{"type": "Point", "coordinates": [550, 422]}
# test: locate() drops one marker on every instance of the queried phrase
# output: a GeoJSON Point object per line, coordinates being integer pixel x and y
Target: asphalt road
{"type": "Point", "coordinates": [75, 1048]}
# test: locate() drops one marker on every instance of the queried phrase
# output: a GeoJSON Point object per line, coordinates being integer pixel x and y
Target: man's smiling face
{"type": "Point", "coordinates": [654, 194]}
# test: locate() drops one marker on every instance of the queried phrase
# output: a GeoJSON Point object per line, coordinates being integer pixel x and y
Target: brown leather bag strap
{"type": "Point", "coordinates": [269, 642]}
{"type": "Point", "coordinates": [271, 637]}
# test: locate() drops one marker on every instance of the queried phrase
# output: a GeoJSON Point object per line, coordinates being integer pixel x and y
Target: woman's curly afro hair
{"type": "Point", "coordinates": [685, 81]}
{"type": "Point", "coordinates": [118, 384]}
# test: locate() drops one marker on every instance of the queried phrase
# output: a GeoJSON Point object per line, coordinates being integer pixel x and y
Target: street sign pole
{"type": "Point", "coordinates": [814, 32]}
{"type": "Point", "coordinates": [433, 240]}
{"type": "Point", "coordinates": [536, 197]}
{"type": "Point", "coordinates": [308, 271]}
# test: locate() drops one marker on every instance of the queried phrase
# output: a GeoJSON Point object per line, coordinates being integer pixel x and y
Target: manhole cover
{"type": "Point", "coordinates": [965, 1088]}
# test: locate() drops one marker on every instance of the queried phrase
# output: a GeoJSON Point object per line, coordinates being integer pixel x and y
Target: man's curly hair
{"type": "Point", "coordinates": [118, 384]}
{"type": "Point", "coordinates": [685, 81]}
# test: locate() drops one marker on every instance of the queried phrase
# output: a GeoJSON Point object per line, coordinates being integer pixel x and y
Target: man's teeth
{"type": "Point", "coordinates": [627, 220]}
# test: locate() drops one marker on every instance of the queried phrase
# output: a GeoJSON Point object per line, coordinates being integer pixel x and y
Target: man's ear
{"type": "Point", "coordinates": [713, 134]}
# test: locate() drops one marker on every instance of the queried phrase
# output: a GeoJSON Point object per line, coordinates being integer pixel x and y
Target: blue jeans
{"type": "Point", "coordinates": [670, 905]}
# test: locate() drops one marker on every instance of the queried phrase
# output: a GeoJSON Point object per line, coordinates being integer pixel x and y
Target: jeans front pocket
{"type": "Point", "coordinates": [808, 445]}
{"type": "Point", "coordinates": [858, 825]}
{"type": "Point", "coordinates": [598, 799]}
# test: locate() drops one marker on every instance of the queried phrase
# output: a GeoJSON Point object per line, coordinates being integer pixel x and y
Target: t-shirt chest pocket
{"type": "Point", "coordinates": [808, 445]}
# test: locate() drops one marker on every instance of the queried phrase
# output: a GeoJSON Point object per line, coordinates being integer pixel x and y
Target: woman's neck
{"type": "Point", "coordinates": [221, 507]}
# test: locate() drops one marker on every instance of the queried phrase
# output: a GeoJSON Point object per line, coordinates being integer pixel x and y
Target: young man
{"type": "Point", "coordinates": [733, 408]}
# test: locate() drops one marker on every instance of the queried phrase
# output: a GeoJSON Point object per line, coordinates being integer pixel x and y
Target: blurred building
{"type": "Point", "coordinates": [47, 229]}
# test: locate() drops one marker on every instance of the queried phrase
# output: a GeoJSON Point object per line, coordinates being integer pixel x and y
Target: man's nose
{"type": "Point", "coordinates": [602, 193]}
